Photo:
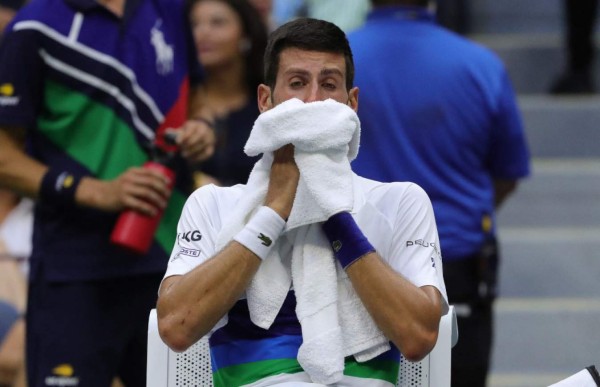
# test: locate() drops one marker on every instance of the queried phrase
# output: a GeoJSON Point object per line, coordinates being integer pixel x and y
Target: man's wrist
{"type": "Point", "coordinates": [58, 187]}
{"type": "Point", "coordinates": [261, 232]}
{"type": "Point", "coordinates": [348, 242]}
{"type": "Point", "coordinates": [279, 210]}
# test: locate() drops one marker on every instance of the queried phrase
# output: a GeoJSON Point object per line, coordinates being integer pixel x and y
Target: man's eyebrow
{"type": "Point", "coordinates": [332, 71]}
{"type": "Point", "coordinates": [324, 72]}
{"type": "Point", "coordinates": [297, 71]}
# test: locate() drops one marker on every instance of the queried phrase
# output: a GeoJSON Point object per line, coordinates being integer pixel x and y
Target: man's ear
{"type": "Point", "coordinates": [265, 101]}
{"type": "Point", "coordinates": [353, 98]}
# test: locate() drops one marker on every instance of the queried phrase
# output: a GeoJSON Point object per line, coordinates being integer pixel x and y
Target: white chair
{"type": "Point", "coordinates": [166, 368]}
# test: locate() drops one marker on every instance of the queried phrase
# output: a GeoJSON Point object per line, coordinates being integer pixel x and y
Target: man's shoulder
{"type": "Point", "coordinates": [391, 192]}
{"type": "Point", "coordinates": [40, 14]}
{"type": "Point", "coordinates": [212, 195]}
{"type": "Point", "coordinates": [369, 186]}
{"type": "Point", "coordinates": [31, 11]}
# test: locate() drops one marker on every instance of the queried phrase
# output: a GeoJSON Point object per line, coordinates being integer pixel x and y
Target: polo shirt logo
{"type": "Point", "coordinates": [62, 375]}
{"type": "Point", "coordinates": [7, 89]}
{"type": "Point", "coordinates": [164, 51]}
{"type": "Point", "coordinates": [6, 95]}
{"type": "Point", "coordinates": [266, 241]}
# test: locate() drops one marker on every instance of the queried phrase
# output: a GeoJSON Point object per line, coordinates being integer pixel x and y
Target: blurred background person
{"type": "Point", "coordinates": [346, 14]}
{"type": "Point", "coordinates": [87, 86]}
{"type": "Point", "coordinates": [454, 15]}
{"type": "Point", "coordinates": [8, 9]}
{"type": "Point", "coordinates": [286, 10]}
{"type": "Point", "coordinates": [230, 39]}
{"type": "Point", "coordinates": [580, 20]}
{"type": "Point", "coordinates": [440, 111]}
{"type": "Point", "coordinates": [16, 223]}
{"type": "Point", "coordinates": [265, 9]}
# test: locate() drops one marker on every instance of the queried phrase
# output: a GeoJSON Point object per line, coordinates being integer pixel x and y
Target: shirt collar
{"type": "Point", "coordinates": [83, 5]}
{"type": "Point", "coordinates": [402, 12]}
{"type": "Point", "coordinates": [87, 5]}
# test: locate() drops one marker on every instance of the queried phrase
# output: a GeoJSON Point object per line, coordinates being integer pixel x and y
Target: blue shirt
{"type": "Point", "coordinates": [437, 110]}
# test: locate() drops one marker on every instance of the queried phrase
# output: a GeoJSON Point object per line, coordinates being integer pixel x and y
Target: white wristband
{"type": "Point", "coordinates": [261, 232]}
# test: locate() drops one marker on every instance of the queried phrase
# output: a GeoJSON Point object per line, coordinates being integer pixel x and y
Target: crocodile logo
{"type": "Point", "coordinates": [337, 246]}
{"type": "Point", "coordinates": [266, 241]}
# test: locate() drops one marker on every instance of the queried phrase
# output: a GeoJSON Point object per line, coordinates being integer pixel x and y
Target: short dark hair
{"type": "Point", "coordinates": [310, 35]}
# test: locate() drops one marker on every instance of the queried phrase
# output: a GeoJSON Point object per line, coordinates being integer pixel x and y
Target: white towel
{"type": "Point", "coordinates": [325, 135]}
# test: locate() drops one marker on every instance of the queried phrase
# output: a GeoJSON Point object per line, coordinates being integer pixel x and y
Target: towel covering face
{"type": "Point", "coordinates": [326, 137]}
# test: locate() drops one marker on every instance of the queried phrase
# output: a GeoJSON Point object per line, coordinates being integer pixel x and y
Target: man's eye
{"type": "Point", "coordinates": [329, 86]}
{"type": "Point", "coordinates": [296, 83]}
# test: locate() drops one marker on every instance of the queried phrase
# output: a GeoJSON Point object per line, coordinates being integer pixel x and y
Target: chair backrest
{"type": "Point", "coordinates": [166, 368]}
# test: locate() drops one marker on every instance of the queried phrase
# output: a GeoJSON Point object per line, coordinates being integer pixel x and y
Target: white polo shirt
{"type": "Point", "coordinates": [397, 218]}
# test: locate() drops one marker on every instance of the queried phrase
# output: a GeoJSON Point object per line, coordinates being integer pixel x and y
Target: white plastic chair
{"type": "Point", "coordinates": [166, 368]}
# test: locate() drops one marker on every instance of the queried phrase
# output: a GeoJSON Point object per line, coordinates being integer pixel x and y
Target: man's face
{"type": "Point", "coordinates": [309, 76]}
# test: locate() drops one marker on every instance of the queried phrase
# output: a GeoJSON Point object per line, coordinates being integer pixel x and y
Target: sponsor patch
{"type": "Point", "coordinates": [189, 252]}
{"type": "Point", "coordinates": [62, 375]}
{"type": "Point", "coordinates": [9, 101]}
{"type": "Point", "coordinates": [422, 243]}
{"type": "Point", "coordinates": [190, 236]}
{"type": "Point", "coordinates": [7, 97]}
{"type": "Point", "coordinates": [185, 251]}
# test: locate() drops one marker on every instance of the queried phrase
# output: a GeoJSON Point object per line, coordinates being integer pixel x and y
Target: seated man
{"type": "Point", "coordinates": [253, 263]}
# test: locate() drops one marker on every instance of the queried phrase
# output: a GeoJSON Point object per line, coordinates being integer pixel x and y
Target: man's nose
{"type": "Point", "coordinates": [313, 94]}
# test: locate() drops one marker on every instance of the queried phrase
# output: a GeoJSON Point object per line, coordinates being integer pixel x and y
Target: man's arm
{"type": "Point", "coordinates": [408, 315]}
{"type": "Point", "coordinates": [196, 138]}
{"type": "Point", "coordinates": [190, 305]}
{"type": "Point", "coordinates": [137, 188]}
{"type": "Point", "coordinates": [18, 172]}
{"type": "Point", "coordinates": [502, 189]}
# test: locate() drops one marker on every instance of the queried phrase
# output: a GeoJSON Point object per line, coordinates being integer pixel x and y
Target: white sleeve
{"type": "Point", "coordinates": [415, 249]}
{"type": "Point", "coordinates": [196, 232]}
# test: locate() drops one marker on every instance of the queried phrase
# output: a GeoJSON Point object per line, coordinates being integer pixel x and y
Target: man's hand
{"type": "Point", "coordinates": [196, 139]}
{"type": "Point", "coordinates": [140, 189]}
{"type": "Point", "coordinates": [283, 181]}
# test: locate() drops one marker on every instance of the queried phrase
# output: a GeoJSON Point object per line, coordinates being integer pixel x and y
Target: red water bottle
{"type": "Point", "coordinates": [135, 231]}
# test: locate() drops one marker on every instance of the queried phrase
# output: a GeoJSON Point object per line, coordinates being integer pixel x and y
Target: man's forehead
{"type": "Point", "coordinates": [295, 59]}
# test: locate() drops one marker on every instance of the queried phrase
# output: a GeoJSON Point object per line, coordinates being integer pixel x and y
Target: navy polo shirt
{"type": "Point", "coordinates": [94, 90]}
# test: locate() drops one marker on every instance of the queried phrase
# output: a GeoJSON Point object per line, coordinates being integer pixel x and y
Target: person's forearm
{"type": "Point", "coordinates": [408, 315]}
{"type": "Point", "coordinates": [23, 174]}
{"type": "Point", "coordinates": [502, 190]}
{"type": "Point", "coordinates": [189, 306]}
{"type": "Point", "coordinates": [19, 172]}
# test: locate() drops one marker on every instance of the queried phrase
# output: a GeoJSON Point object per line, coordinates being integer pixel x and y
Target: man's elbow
{"type": "Point", "coordinates": [174, 336]}
{"type": "Point", "coordinates": [420, 345]}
